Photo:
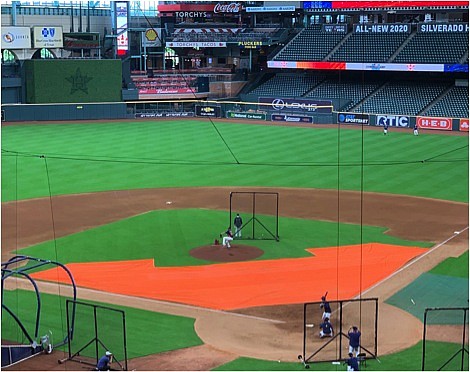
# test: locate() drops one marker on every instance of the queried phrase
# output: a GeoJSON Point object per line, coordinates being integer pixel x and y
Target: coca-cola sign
{"type": "Point", "coordinates": [227, 8]}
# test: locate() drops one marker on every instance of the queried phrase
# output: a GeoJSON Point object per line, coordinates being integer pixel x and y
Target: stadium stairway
{"type": "Point", "coordinates": [333, 51]}
{"type": "Point", "coordinates": [400, 48]}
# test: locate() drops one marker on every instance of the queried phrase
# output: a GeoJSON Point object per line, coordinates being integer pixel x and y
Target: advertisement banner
{"type": "Point", "coordinates": [152, 37]}
{"type": "Point", "coordinates": [268, 9]}
{"type": "Point", "coordinates": [245, 115]}
{"type": "Point", "coordinates": [330, 28]}
{"type": "Point", "coordinates": [166, 91]}
{"type": "Point", "coordinates": [48, 37]}
{"type": "Point", "coordinates": [463, 126]}
{"type": "Point", "coordinates": [210, 111]}
{"type": "Point", "coordinates": [382, 28]}
{"type": "Point", "coordinates": [292, 118]}
{"type": "Point", "coordinates": [199, 44]}
{"type": "Point", "coordinates": [393, 121]}
{"type": "Point", "coordinates": [164, 114]}
{"type": "Point", "coordinates": [250, 44]}
{"type": "Point", "coordinates": [122, 14]}
{"type": "Point", "coordinates": [81, 40]}
{"type": "Point", "coordinates": [279, 104]}
{"type": "Point", "coordinates": [442, 27]}
{"type": "Point", "coordinates": [16, 37]}
{"type": "Point", "coordinates": [434, 123]}
{"type": "Point", "coordinates": [353, 118]}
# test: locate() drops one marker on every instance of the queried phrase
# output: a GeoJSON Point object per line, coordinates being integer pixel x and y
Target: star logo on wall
{"type": "Point", "coordinates": [79, 82]}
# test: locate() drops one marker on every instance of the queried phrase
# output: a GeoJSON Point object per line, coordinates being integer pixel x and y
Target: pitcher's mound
{"type": "Point", "coordinates": [218, 253]}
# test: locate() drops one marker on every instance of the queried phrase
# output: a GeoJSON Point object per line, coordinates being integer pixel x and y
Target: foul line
{"type": "Point", "coordinates": [416, 260]}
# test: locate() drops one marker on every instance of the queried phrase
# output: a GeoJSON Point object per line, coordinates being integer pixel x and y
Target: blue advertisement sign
{"type": "Point", "coordinates": [353, 118]}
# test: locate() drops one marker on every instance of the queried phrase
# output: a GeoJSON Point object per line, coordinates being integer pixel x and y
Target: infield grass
{"type": "Point", "coordinates": [90, 157]}
{"type": "Point", "coordinates": [167, 236]}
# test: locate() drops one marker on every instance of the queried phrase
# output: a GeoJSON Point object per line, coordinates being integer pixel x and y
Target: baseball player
{"type": "Point", "coordinates": [238, 222]}
{"type": "Point", "coordinates": [352, 363]}
{"type": "Point", "coordinates": [385, 129]}
{"type": "Point", "coordinates": [354, 339]}
{"type": "Point", "coordinates": [325, 305]}
{"type": "Point", "coordinates": [227, 238]}
{"type": "Point", "coordinates": [105, 360]}
{"type": "Point", "coordinates": [326, 329]}
{"type": "Point", "coordinates": [415, 130]}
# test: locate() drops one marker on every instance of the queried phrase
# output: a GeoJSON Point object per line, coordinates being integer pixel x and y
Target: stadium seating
{"type": "Point", "coordinates": [402, 97]}
{"type": "Point", "coordinates": [288, 85]}
{"type": "Point", "coordinates": [423, 46]}
{"type": "Point", "coordinates": [453, 104]}
{"type": "Point", "coordinates": [309, 45]}
{"type": "Point", "coordinates": [352, 90]}
{"type": "Point", "coordinates": [363, 47]}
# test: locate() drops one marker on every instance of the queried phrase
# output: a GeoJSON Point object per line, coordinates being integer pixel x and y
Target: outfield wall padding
{"type": "Point", "coordinates": [52, 112]}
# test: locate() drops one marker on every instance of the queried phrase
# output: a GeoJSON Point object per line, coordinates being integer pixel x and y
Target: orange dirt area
{"type": "Point", "coordinates": [238, 285]}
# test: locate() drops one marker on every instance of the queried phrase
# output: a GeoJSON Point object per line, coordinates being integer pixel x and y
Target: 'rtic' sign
{"type": "Point", "coordinates": [434, 123]}
{"type": "Point", "coordinates": [393, 121]}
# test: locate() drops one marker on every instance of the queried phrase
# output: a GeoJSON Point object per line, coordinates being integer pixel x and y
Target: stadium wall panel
{"type": "Point", "coordinates": [73, 81]}
{"type": "Point", "coordinates": [65, 112]}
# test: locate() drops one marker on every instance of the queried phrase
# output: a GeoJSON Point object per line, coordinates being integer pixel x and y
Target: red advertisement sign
{"type": "Point", "coordinates": [463, 125]}
{"type": "Point", "coordinates": [434, 123]}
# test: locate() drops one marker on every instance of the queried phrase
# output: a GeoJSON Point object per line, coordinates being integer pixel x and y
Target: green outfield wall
{"type": "Point", "coordinates": [73, 81]}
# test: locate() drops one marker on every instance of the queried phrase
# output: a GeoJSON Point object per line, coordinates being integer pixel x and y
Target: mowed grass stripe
{"type": "Point", "coordinates": [112, 156]}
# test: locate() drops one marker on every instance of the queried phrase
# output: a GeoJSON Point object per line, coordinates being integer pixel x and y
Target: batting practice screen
{"type": "Point", "coordinates": [361, 313]}
{"type": "Point", "coordinates": [97, 329]}
{"type": "Point", "coordinates": [259, 212]}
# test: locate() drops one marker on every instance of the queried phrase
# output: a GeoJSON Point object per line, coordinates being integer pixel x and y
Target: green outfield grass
{"type": "Point", "coordinates": [126, 155]}
{"type": "Point", "coordinates": [437, 353]}
{"type": "Point", "coordinates": [138, 238]}
{"type": "Point", "coordinates": [453, 267]}
{"type": "Point", "coordinates": [147, 332]}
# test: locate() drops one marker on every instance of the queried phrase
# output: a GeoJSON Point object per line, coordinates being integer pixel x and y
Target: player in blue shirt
{"type": "Point", "coordinates": [325, 305]}
{"type": "Point", "coordinates": [326, 329]}
{"type": "Point", "coordinates": [352, 363]}
{"type": "Point", "coordinates": [354, 339]}
{"type": "Point", "coordinates": [105, 360]}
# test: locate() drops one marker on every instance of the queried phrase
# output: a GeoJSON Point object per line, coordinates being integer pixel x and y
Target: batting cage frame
{"type": "Point", "coordinates": [97, 338]}
{"type": "Point", "coordinates": [462, 349]}
{"type": "Point", "coordinates": [339, 310]}
{"type": "Point", "coordinates": [12, 354]}
{"type": "Point", "coordinates": [252, 205]}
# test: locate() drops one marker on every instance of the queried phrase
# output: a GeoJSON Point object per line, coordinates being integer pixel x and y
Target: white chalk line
{"type": "Point", "coordinates": [413, 261]}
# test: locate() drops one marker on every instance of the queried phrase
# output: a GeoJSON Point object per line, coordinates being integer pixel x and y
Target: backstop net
{"type": "Point", "coordinates": [97, 329]}
{"type": "Point", "coordinates": [445, 339]}
{"type": "Point", "coordinates": [362, 313]}
{"type": "Point", "coordinates": [259, 212]}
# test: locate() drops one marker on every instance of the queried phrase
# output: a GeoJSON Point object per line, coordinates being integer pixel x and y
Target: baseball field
{"type": "Point", "coordinates": [133, 209]}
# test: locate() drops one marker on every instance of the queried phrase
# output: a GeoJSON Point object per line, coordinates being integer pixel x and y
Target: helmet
{"type": "Point", "coordinates": [108, 353]}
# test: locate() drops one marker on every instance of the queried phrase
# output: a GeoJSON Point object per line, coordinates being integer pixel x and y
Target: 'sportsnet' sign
{"type": "Point", "coordinates": [352, 118]}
